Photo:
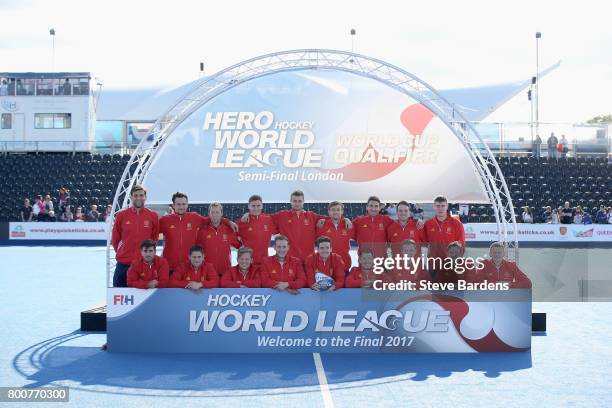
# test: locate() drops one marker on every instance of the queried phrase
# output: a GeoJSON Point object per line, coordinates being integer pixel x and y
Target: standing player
{"type": "Point", "coordinates": [298, 225]}
{"type": "Point", "coordinates": [335, 229]}
{"type": "Point", "coordinates": [195, 274]}
{"type": "Point", "coordinates": [217, 240]}
{"type": "Point", "coordinates": [327, 262]}
{"type": "Point", "coordinates": [371, 229]}
{"type": "Point", "coordinates": [180, 230]}
{"type": "Point", "coordinates": [243, 275]}
{"type": "Point", "coordinates": [149, 271]}
{"type": "Point", "coordinates": [132, 226]}
{"type": "Point", "coordinates": [442, 229]}
{"type": "Point", "coordinates": [282, 271]}
{"type": "Point", "coordinates": [362, 275]}
{"type": "Point", "coordinates": [256, 230]}
{"type": "Point", "coordinates": [404, 228]}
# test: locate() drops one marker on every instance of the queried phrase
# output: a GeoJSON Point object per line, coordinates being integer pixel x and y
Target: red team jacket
{"type": "Point", "coordinates": [371, 232]}
{"type": "Point", "coordinates": [141, 273]}
{"type": "Point", "coordinates": [440, 234]}
{"type": "Point", "coordinates": [180, 234]}
{"type": "Point", "coordinates": [397, 275]}
{"type": "Point", "coordinates": [507, 272]}
{"type": "Point", "coordinates": [340, 237]}
{"type": "Point", "coordinates": [291, 271]}
{"type": "Point", "coordinates": [333, 267]}
{"type": "Point", "coordinates": [131, 227]}
{"type": "Point", "coordinates": [300, 229]}
{"type": "Point", "coordinates": [217, 243]}
{"type": "Point", "coordinates": [396, 235]}
{"type": "Point", "coordinates": [233, 278]}
{"type": "Point", "coordinates": [356, 277]}
{"type": "Point", "coordinates": [186, 273]}
{"type": "Point", "coordinates": [256, 234]}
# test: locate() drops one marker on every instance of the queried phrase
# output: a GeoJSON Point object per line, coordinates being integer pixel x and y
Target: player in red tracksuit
{"type": "Point", "coordinates": [412, 270]}
{"type": "Point", "coordinates": [327, 262]}
{"type": "Point", "coordinates": [243, 275]}
{"type": "Point", "coordinates": [257, 229]}
{"type": "Point", "coordinates": [195, 274]}
{"type": "Point", "coordinates": [371, 229]}
{"type": "Point", "coordinates": [498, 269]}
{"type": "Point", "coordinates": [362, 275]}
{"type": "Point", "coordinates": [447, 272]}
{"type": "Point", "coordinates": [132, 226]}
{"type": "Point", "coordinates": [335, 229]}
{"type": "Point", "coordinates": [298, 225]}
{"type": "Point", "coordinates": [404, 228]}
{"type": "Point", "coordinates": [217, 240]}
{"type": "Point", "coordinates": [180, 230]}
{"type": "Point", "coordinates": [282, 271]}
{"type": "Point", "coordinates": [442, 229]}
{"type": "Point", "coordinates": [149, 270]}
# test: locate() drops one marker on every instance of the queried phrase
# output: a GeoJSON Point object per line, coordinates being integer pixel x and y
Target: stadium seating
{"type": "Point", "coordinates": [93, 178]}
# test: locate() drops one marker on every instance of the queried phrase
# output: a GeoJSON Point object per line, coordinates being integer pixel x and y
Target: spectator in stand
{"type": "Point", "coordinates": [39, 209]}
{"type": "Point", "coordinates": [563, 146]}
{"type": "Point", "coordinates": [537, 147]}
{"type": "Point", "coordinates": [557, 216]}
{"type": "Point", "coordinates": [79, 216]}
{"type": "Point", "coordinates": [51, 216]}
{"type": "Point", "coordinates": [586, 218]}
{"type": "Point", "coordinates": [551, 143]}
{"type": "Point", "coordinates": [170, 210]}
{"type": "Point", "coordinates": [93, 215]}
{"type": "Point", "coordinates": [26, 211]}
{"type": "Point", "coordinates": [64, 197]}
{"type": "Point", "coordinates": [609, 215]}
{"type": "Point", "coordinates": [527, 216]}
{"type": "Point", "coordinates": [601, 216]}
{"type": "Point", "coordinates": [107, 213]}
{"type": "Point", "coordinates": [416, 211]}
{"type": "Point", "coordinates": [391, 211]}
{"type": "Point", "coordinates": [48, 203]}
{"type": "Point", "coordinates": [547, 216]}
{"type": "Point", "coordinates": [578, 215]}
{"type": "Point", "coordinates": [67, 215]}
{"type": "Point", "coordinates": [567, 214]}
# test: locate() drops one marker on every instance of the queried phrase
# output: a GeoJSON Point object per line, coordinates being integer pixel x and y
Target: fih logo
{"type": "Point", "coordinates": [123, 300]}
{"type": "Point", "coordinates": [18, 232]}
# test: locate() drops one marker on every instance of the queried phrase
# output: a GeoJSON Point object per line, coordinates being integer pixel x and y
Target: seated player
{"type": "Point", "coordinates": [282, 271]}
{"type": "Point", "coordinates": [442, 271]}
{"type": "Point", "coordinates": [410, 248]}
{"type": "Point", "coordinates": [195, 274]}
{"type": "Point", "coordinates": [362, 275]}
{"type": "Point", "coordinates": [324, 264]}
{"type": "Point", "coordinates": [149, 271]}
{"type": "Point", "coordinates": [243, 275]}
{"type": "Point", "coordinates": [498, 269]}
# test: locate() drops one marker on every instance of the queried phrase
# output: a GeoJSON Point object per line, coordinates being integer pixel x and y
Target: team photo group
{"type": "Point", "coordinates": [310, 250]}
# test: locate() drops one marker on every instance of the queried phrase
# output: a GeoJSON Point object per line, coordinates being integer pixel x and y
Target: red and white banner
{"type": "Point", "coordinates": [486, 232]}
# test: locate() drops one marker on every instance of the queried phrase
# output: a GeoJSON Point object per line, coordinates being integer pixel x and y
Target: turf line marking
{"type": "Point", "coordinates": [327, 398]}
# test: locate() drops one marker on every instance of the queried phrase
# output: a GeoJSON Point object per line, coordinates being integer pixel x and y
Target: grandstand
{"type": "Point", "coordinates": [93, 178]}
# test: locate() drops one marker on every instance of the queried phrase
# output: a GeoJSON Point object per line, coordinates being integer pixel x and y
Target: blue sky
{"type": "Point", "coordinates": [448, 44]}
